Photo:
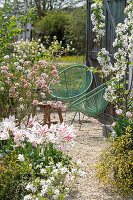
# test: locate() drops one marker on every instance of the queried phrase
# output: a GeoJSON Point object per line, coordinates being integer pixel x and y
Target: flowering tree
{"type": "Point", "coordinates": [117, 91]}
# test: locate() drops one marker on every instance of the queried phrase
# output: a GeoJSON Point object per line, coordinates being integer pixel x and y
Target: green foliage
{"type": "Point", "coordinates": [115, 167]}
{"type": "Point", "coordinates": [14, 176]}
{"type": "Point", "coordinates": [9, 30]}
{"type": "Point", "coordinates": [53, 24]}
{"type": "Point", "coordinates": [75, 30]}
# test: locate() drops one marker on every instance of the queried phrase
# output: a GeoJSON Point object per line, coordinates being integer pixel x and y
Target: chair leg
{"type": "Point", "coordinates": [74, 117]}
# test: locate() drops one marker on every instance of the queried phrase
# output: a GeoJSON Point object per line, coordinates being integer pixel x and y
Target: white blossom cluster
{"type": "Point", "coordinates": [97, 19]}
{"type": "Point", "coordinates": [110, 94]}
{"type": "Point", "coordinates": [104, 60]}
{"type": "Point", "coordinates": [25, 49]}
{"type": "Point", "coordinates": [52, 180]}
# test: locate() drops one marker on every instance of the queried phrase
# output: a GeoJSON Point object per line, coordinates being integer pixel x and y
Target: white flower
{"type": "Point", "coordinates": [6, 57]}
{"type": "Point", "coordinates": [27, 197]}
{"type": "Point", "coordinates": [21, 157]}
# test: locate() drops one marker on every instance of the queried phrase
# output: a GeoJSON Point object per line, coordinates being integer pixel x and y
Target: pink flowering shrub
{"type": "Point", "coordinates": [23, 84]}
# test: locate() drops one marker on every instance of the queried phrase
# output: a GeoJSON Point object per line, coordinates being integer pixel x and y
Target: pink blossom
{"type": "Point", "coordinates": [41, 62]}
{"type": "Point", "coordinates": [53, 82]}
{"type": "Point", "coordinates": [57, 77]}
{"type": "Point", "coordinates": [53, 67]}
{"type": "Point", "coordinates": [4, 72]}
{"type": "Point", "coordinates": [129, 114]}
{"type": "Point", "coordinates": [20, 99]}
{"type": "Point", "coordinates": [7, 82]}
{"type": "Point", "coordinates": [26, 62]}
{"type": "Point", "coordinates": [12, 88]}
{"type": "Point", "coordinates": [54, 72]}
{"type": "Point", "coordinates": [14, 96]}
{"type": "Point", "coordinates": [44, 87]}
{"type": "Point", "coordinates": [35, 66]}
{"type": "Point", "coordinates": [33, 72]}
{"type": "Point", "coordinates": [35, 102]}
{"type": "Point", "coordinates": [28, 94]}
{"type": "Point", "coordinates": [43, 95]}
{"type": "Point", "coordinates": [9, 75]}
{"type": "Point", "coordinates": [26, 85]}
{"type": "Point", "coordinates": [113, 124]}
{"type": "Point", "coordinates": [119, 111]}
{"type": "Point", "coordinates": [50, 91]}
{"type": "Point", "coordinates": [38, 108]}
{"type": "Point", "coordinates": [23, 80]}
{"type": "Point", "coordinates": [52, 104]}
{"type": "Point", "coordinates": [4, 67]}
{"type": "Point", "coordinates": [29, 76]}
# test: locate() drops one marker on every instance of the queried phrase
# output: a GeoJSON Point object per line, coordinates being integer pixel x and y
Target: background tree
{"type": "Point", "coordinates": [53, 24]}
{"type": "Point", "coordinates": [75, 29]}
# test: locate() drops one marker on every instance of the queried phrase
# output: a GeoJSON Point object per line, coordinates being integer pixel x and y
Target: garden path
{"type": "Point", "coordinates": [89, 143]}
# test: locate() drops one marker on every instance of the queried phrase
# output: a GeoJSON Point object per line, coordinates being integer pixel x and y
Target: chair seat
{"type": "Point", "coordinates": [73, 83]}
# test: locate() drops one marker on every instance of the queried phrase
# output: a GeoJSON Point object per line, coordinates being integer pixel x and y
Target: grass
{"type": "Point", "coordinates": [66, 61]}
{"type": "Point", "coordinates": [72, 59]}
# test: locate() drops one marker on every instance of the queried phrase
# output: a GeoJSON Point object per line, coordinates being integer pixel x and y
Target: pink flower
{"type": "Point", "coordinates": [26, 85]}
{"type": "Point", "coordinates": [23, 80]}
{"type": "Point", "coordinates": [28, 94]}
{"type": "Point", "coordinates": [57, 77]}
{"type": "Point", "coordinates": [53, 82]}
{"type": "Point", "coordinates": [52, 104]}
{"type": "Point", "coordinates": [4, 72]}
{"type": "Point", "coordinates": [12, 88]}
{"type": "Point", "coordinates": [35, 102]}
{"type": "Point", "coordinates": [54, 72]}
{"type": "Point", "coordinates": [26, 62]}
{"type": "Point", "coordinates": [50, 91]}
{"type": "Point", "coordinates": [44, 87]}
{"type": "Point", "coordinates": [14, 96]}
{"type": "Point", "coordinates": [38, 108]}
{"type": "Point", "coordinates": [129, 114]}
{"type": "Point", "coordinates": [41, 62]}
{"type": "Point", "coordinates": [9, 75]}
{"type": "Point", "coordinates": [7, 82]}
{"type": "Point", "coordinates": [119, 111]}
{"type": "Point", "coordinates": [53, 67]}
{"type": "Point", "coordinates": [4, 67]}
{"type": "Point", "coordinates": [33, 72]}
{"type": "Point", "coordinates": [43, 95]}
{"type": "Point", "coordinates": [113, 124]}
{"type": "Point", "coordinates": [20, 99]}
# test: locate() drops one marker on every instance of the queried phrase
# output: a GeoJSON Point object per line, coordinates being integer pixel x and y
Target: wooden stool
{"type": "Point", "coordinates": [46, 119]}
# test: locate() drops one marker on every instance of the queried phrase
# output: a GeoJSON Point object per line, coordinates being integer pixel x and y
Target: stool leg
{"type": "Point", "coordinates": [60, 115]}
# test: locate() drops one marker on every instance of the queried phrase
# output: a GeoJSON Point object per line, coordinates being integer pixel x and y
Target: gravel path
{"type": "Point", "coordinates": [89, 143]}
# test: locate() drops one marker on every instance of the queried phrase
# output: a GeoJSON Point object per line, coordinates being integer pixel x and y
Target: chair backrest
{"type": "Point", "coordinates": [73, 82]}
{"type": "Point", "coordinates": [92, 103]}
